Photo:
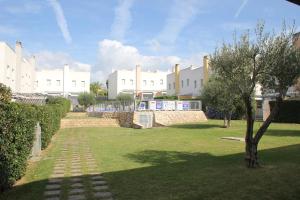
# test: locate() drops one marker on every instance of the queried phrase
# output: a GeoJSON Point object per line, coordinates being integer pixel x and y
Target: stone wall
{"type": "Point", "coordinates": [125, 119]}
{"type": "Point", "coordinates": [166, 118]}
{"type": "Point", "coordinates": [92, 122]}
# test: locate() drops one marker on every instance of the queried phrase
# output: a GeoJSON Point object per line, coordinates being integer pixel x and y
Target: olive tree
{"type": "Point", "coordinates": [269, 60]}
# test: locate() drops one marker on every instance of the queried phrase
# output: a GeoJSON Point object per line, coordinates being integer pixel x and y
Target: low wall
{"type": "Point", "coordinates": [125, 119]}
{"type": "Point", "coordinates": [167, 118]}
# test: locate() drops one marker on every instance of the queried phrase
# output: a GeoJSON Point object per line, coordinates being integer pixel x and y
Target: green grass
{"type": "Point", "coordinates": [182, 162]}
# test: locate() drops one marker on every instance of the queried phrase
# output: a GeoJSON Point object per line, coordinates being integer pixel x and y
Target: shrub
{"type": "Point", "coordinates": [167, 97]}
{"type": "Point", "coordinates": [65, 103]}
{"type": "Point", "coordinates": [86, 99]}
{"type": "Point", "coordinates": [289, 111]}
{"type": "Point", "coordinates": [5, 93]}
{"type": "Point", "coordinates": [17, 125]}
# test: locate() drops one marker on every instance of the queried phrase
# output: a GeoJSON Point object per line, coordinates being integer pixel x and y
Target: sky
{"type": "Point", "coordinates": [106, 35]}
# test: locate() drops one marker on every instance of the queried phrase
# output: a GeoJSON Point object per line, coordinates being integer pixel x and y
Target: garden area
{"type": "Point", "coordinates": [188, 161]}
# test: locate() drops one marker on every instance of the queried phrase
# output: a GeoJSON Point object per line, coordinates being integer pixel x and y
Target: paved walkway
{"type": "Point", "coordinates": [76, 175]}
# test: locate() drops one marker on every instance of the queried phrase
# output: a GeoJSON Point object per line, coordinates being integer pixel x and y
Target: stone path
{"type": "Point", "coordinates": [76, 175]}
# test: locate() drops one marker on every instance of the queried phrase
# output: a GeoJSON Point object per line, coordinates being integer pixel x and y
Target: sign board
{"type": "Point", "coordinates": [185, 105]}
{"type": "Point", "coordinates": [152, 105]}
{"type": "Point", "coordinates": [159, 105]}
{"type": "Point", "coordinates": [142, 106]}
{"type": "Point", "coordinates": [179, 105]}
{"type": "Point", "coordinates": [169, 105]}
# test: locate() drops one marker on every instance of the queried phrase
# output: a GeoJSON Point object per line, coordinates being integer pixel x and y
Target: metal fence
{"type": "Point", "coordinates": [36, 99]}
{"type": "Point", "coordinates": [163, 105]}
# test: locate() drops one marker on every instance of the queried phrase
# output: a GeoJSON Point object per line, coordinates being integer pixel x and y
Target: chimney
{"type": "Point", "coordinates": [18, 50]}
{"type": "Point", "coordinates": [205, 69]}
{"type": "Point", "coordinates": [177, 88]}
{"type": "Point", "coordinates": [138, 79]}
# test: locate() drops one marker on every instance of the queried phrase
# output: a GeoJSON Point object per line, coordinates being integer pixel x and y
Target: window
{"type": "Point", "coordinates": [173, 85]}
{"type": "Point", "coordinates": [83, 84]}
{"type": "Point", "coordinates": [48, 82]}
{"type": "Point", "coordinates": [57, 82]}
{"type": "Point", "coordinates": [131, 82]}
{"type": "Point", "coordinates": [161, 81]}
{"type": "Point", "coordinates": [201, 81]}
{"type": "Point", "coordinates": [187, 82]}
{"type": "Point", "coordinates": [195, 84]}
{"type": "Point", "coordinates": [73, 83]}
{"type": "Point", "coordinates": [144, 82]}
{"type": "Point", "coordinates": [152, 83]}
{"type": "Point", "coordinates": [123, 81]}
{"type": "Point", "coordinates": [182, 83]}
{"type": "Point", "coordinates": [169, 86]}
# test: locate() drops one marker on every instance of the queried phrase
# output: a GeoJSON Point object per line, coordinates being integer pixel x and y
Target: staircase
{"type": "Point", "coordinates": [89, 122]}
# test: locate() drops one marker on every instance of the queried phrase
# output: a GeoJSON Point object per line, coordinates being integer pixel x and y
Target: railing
{"type": "Point", "coordinates": [158, 105]}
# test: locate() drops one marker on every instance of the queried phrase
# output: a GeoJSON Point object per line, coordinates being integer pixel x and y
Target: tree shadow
{"type": "Point", "coordinates": [177, 175]}
{"type": "Point", "coordinates": [283, 133]}
{"type": "Point", "coordinates": [196, 126]}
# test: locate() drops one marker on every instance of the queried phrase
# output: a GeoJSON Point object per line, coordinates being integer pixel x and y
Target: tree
{"type": "Point", "coordinates": [98, 89]}
{"type": "Point", "coordinates": [86, 99]}
{"type": "Point", "coordinates": [5, 93]}
{"type": "Point", "coordinates": [125, 99]}
{"type": "Point", "coordinates": [222, 98]}
{"type": "Point", "coordinates": [271, 61]}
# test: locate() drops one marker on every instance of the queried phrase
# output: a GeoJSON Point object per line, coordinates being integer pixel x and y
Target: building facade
{"type": "Point", "coordinates": [16, 71]}
{"type": "Point", "coordinates": [20, 74]}
{"type": "Point", "coordinates": [187, 82]}
{"type": "Point", "coordinates": [138, 83]}
{"type": "Point", "coordinates": [63, 82]}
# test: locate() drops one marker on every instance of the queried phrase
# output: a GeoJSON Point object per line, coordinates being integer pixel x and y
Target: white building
{"type": "Point", "coordinates": [142, 84]}
{"type": "Point", "coordinates": [187, 82]}
{"type": "Point", "coordinates": [20, 74]}
{"type": "Point", "coordinates": [66, 81]}
{"type": "Point", "coordinates": [16, 71]}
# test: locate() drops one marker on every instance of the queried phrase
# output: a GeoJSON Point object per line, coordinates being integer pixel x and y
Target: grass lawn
{"type": "Point", "coordinates": [181, 162]}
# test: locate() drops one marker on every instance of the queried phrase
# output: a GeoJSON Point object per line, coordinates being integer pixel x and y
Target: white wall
{"type": "Point", "coordinates": [192, 74]}
{"type": "Point", "coordinates": [153, 82]}
{"type": "Point", "coordinates": [62, 81]}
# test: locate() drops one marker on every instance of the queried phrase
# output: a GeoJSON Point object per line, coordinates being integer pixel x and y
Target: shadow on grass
{"type": "Point", "coordinates": [292, 133]}
{"type": "Point", "coordinates": [192, 176]}
{"type": "Point", "coordinates": [196, 126]}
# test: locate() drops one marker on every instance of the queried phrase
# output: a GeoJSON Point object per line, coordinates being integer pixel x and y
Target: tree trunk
{"type": "Point", "coordinates": [249, 132]}
{"type": "Point", "coordinates": [225, 121]}
{"type": "Point", "coordinates": [229, 119]}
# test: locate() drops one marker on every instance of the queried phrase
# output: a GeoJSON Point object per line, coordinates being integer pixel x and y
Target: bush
{"type": "Point", "coordinates": [167, 97]}
{"type": "Point", "coordinates": [65, 103]}
{"type": "Point", "coordinates": [49, 118]}
{"type": "Point", "coordinates": [86, 99]}
{"type": "Point", "coordinates": [124, 97]}
{"type": "Point", "coordinates": [5, 94]}
{"type": "Point", "coordinates": [17, 125]}
{"type": "Point", "coordinates": [289, 111]}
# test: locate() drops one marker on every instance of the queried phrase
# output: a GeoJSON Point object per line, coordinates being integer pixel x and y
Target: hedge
{"type": "Point", "coordinates": [289, 111]}
{"type": "Point", "coordinates": [17, 125]}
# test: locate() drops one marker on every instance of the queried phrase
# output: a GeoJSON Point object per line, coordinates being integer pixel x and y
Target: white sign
{"type": "Point", "coordinates": [152, 105]}
{"type": "Point", "coordinates": [179, 105]}
{"type": "Point", "coordinates": [168, 105]}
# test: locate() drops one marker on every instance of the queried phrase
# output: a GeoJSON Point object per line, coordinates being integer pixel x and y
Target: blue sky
{"type": "Point", "coordinates": [102, 35]}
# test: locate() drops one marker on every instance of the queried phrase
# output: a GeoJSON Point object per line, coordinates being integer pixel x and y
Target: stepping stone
{"type": "Point", "coordinates": [75, 179]}
{"type": "Point", "coordinates": [76, 185]}
{"type": "Point", "coordinates": [77, 197]}
{"type": "Point", "coordinates": [99, 177]}
{"type": "Point", "coordinates": [99, 182]}
{"type": "Point", "coordinates": [94, 173]}
{"type": "Point", "coordinates": [52, 193]}
{"type": "Point", "coordinates": [52, 198]}
{"type": "Point", "coordinates": [75, 170]}
{"type": "Point", "coordinates": [59, 171]}
{"type": "Point", "coordinates": [53, 187]}
{"type": "Point", "coordinates": [57, 176]}
{"type": "Point", "coordinates": [55, 180]}
{"type": "Point", "coordinates": [76, 191]}
{"type": "Point", "coordinates": [100, 187]}
{"type": "Point", "coordinates": [102, 194]}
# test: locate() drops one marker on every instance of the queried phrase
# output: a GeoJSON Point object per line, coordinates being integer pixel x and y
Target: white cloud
{"type": "Point", "coordinates": [55, 60]}
{"type": "Point", "coordinates": [7, 30]}
{"type": "Point", "coordinates": [181, 14]}
{"type": "Point", "coordinates": [61, 20]}
{"type": "Point", "coordinates": [122, 19]}
{"type": "Point", "coordinates": [114, 55]}
{"type": "Point", "coordinates": [242, 6]}
{"type": "Point", "coordinates": [24, 7]}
